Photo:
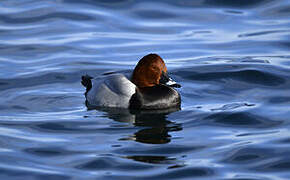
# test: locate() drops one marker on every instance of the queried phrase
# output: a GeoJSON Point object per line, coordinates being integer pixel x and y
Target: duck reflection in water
{"type": "Point", "coordinates": [156, 126]}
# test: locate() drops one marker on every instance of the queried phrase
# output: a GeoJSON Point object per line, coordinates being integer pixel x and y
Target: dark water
{"type": "Point", "coordinates": [231, 57]}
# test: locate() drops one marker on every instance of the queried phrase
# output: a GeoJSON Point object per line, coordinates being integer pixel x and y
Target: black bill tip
{"type": "Point", "coordinates": [175, 85]}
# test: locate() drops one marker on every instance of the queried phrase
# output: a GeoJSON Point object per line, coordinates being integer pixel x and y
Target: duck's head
{"type": "Point", "coordinates": [151, 71]}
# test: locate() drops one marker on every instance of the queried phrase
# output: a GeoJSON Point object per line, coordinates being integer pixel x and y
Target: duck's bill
{"type": "Point", "coordinates": [172, 83]}
{"type": "Point", "coordinates": [165, 79]}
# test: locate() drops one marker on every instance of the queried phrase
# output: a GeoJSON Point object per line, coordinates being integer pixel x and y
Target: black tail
{"type": "Point", "coordinates": [86, 81]}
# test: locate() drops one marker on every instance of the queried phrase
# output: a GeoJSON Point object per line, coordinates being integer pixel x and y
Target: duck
{"type": "Point", "coordinates": [149, 87]}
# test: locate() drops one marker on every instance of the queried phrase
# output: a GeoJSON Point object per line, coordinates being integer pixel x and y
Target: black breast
{"type": "Point", "coordinates": [156, 97]}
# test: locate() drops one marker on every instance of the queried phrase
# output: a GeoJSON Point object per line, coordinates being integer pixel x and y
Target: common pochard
{"type": "Point", "coordinates": [149, 87]}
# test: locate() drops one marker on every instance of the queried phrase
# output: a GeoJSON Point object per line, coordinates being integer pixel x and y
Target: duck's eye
{"type": "Point", "coordinates": [164, 78]}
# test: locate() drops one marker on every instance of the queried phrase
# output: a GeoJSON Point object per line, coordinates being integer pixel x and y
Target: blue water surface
{"type": "Point", "coordinates": [231, 57]}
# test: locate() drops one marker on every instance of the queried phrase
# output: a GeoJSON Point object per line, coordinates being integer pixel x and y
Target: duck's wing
{"type": "Point", "coordinates": [120, 84]}
{"type": "Point", "coordinates": [114, 90]}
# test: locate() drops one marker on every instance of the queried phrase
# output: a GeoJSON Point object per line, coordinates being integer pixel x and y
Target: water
{"type": "Point", "coordinates": [231, 58]}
